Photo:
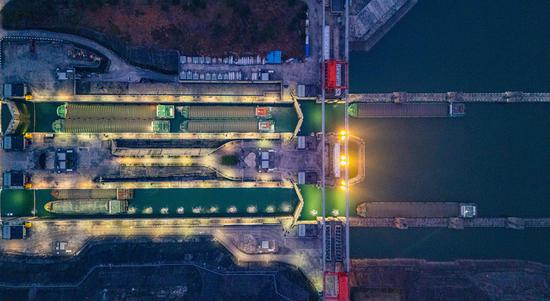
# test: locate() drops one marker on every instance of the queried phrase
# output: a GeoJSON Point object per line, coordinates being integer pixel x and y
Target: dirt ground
{"type": "Point", "coordinates": [207, 27]}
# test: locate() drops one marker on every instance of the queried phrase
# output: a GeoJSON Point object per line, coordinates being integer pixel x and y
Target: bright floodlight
{"type": "Point", "coordinates": [285, 207]}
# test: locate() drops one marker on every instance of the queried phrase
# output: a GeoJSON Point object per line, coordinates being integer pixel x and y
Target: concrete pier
{"type": "Point", "coordinates": [452, 223]}
{"type": "Point", "coordinates": [403, 97]}
{"type": "Point", "coordinates": [370, 21]}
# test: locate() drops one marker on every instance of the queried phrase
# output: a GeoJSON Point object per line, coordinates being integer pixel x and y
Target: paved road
{"type": "Point", "coordinates": [301, 252]}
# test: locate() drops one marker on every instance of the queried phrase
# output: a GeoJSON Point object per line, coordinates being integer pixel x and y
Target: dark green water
{"type": "Point", "coordinates": [498, 156]}
{"type": "Point", "coordinates": [44, 114]}
{"type": "Point", "coordinates": [19, 202]}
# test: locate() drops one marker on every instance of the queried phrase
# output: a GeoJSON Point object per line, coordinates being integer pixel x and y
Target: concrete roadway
{"type": "Point", "coordinates": [289, 248]}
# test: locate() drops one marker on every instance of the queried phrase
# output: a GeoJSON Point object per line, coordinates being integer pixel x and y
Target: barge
{"type": "Point", "coordinates": [406, 110]}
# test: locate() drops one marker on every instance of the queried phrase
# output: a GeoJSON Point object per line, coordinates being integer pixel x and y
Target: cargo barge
{"type": "Point", "coordinates": [106, 111]}
{"type": "Point", "coordinates": [87, 207]}
{"type": "Point", "coordinates": [84, 126]}
{"type": "Point", "coordinates": [225, 112]}
{"type": "Point", "coordinates": [416, 209]}
{"type": "Point", "coordinates": [226, 126]}
{"type": "Point", "coordinates": [119, 194]}
{"type": "Point", "coordinates": [406, 110]}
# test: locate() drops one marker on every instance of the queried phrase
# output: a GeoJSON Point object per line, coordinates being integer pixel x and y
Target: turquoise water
{"type": "Point", "coordinates": [497, 156]}
{"type": "Point", "coordinates": [44, 114]}
{"type": "Point", "coordinates": [150, 202]}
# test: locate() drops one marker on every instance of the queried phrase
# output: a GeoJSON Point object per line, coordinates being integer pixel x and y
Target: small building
{"type": "Point", "coordinates": [336, 75]}
{"type": "Point", "coordinates": [274, 57]}
{"type": "Point", "coordinates": [15, 179]}
{"type": "Point", "coordinates": [14, 91]}
{"type": "Point", "coordinates": [14, 143]}
{"type": "Point", "coordinates": [10, 231]}
{"type": "Point", "coordinates": [65, 160]}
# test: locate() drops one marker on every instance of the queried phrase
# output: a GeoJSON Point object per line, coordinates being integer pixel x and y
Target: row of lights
{"type": "Point", "coordinates": [335, 212]}
{"type": "Point", "coordinates": [213, 209]}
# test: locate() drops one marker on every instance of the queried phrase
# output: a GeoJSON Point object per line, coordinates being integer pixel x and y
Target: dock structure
{"type": "Point", "coordinates": [452, 223]}
{"type": "Point", "coordinates": [370, 21]}
{"type": "Point", "coordinates": [404, 97]}
{"type": "Point", "coordinates": [257, 92]}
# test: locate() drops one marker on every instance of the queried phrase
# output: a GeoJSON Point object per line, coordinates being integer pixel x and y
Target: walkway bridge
{"type": "Point", "coordinates": [401, 97]}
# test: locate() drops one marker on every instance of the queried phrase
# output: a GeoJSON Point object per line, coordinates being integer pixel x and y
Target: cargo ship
{"type": "Point", "coordinates": [110, 126]}
{"type": "Point", "coordinates": [119, 194]}
{"type": "Point", "coordinates": [87, 207]}
{"type": "Point", "coordinates": [416, 209]}
{"type": "Point", "coordinates": [110, 118]}
{"type": "Point", "coordinates": [406, 110]}
{"type": "Point", "coordinates": [111, 111]}
{"type": "Point", "coordinates": [228, 125]}
{"type": "Point", "coordinates": [225, 112]}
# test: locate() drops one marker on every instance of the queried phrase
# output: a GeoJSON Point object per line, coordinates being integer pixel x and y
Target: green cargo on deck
{"type": "Point", "coordinates": [165, 112]}
{"type": "Point", "coordinates": [87, 206]}
{"type": "Point", "coordinates": [161, 126]}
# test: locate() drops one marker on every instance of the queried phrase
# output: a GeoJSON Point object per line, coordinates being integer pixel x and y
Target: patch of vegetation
{"type": "Point", "coordinates": [230, 160]}
{"type": "Point", "coordinates": [205, 27]}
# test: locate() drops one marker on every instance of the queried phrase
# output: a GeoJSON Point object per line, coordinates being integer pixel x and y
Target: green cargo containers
{"type": "Point", "coordinates": [166, 112]}
{"type": "Point", "coordinates": [161, 126]}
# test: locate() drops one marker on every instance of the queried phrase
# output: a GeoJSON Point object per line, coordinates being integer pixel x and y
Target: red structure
{"type": "Point", "coordinates": [336, 74]}
{"type": "Point", "coordinates": [336, 286]}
